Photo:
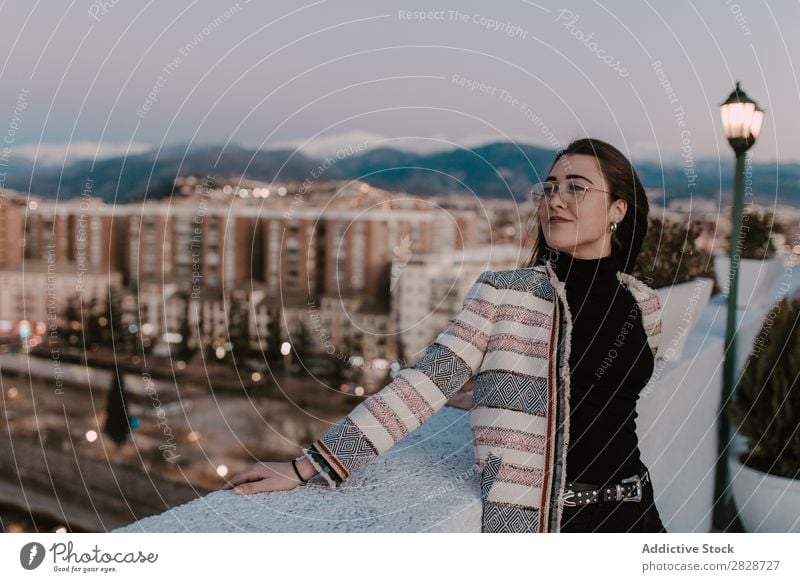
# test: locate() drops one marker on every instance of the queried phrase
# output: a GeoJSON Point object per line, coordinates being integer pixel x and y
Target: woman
{"type": "Point", "coordinates": [559, 350]}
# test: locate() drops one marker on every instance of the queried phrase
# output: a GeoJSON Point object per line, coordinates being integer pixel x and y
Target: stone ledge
{"type": "Point", "coordinates": [426, 483]}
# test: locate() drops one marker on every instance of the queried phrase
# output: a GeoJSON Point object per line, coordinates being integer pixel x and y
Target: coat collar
{"type": "Point", "coordinates": [648, 299]}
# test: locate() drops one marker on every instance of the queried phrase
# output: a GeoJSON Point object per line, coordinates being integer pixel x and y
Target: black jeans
{"type": "Point", "coordinates": [615, 516]}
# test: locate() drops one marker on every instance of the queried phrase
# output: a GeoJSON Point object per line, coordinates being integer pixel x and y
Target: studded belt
{"type": "Point", "coordinates": [628, 489]}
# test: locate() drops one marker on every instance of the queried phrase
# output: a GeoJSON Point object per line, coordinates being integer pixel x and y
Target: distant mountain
{"type": "Point", "coordinates": [502, 169]}
{"type": "Point", "coordinates": [151, 174]}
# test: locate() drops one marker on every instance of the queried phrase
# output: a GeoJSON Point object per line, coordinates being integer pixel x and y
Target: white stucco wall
{"type": "Point", "coordinates": [424, 483]}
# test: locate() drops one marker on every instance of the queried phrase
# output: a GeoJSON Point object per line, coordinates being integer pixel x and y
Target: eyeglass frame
{"type": "Point", "coordinates": [557, 189]}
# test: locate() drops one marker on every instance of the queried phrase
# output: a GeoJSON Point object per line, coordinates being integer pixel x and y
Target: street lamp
{"type": "Point", "coordinates": [741, 121]}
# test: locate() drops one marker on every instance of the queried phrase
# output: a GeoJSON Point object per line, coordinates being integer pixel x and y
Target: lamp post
{"type": "Point", "coordinates": [741, 121]}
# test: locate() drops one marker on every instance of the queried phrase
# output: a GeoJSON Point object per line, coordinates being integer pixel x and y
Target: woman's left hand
{"type": "Point", "coordinates": [463, 400]}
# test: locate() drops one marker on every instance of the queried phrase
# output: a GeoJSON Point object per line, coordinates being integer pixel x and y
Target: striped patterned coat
{"type": "Point", "coordinates": [513, 336]}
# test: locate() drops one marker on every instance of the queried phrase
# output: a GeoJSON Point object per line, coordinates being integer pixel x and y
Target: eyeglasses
{"type": "Point", "coordinates": [572, 192]}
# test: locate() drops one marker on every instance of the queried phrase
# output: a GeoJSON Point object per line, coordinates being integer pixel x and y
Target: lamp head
{"type": "Point", "coordinates": [741, 120]}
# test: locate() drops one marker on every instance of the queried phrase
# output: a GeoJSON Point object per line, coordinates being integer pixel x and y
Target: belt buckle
{"type": "Point", "coordinates": [635, 479]}
{"type": "Point", "coordinates": [569, 494]}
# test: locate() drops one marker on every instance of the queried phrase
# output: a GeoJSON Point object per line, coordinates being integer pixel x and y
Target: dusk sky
{"type": "Point", "coordinates": [150, 74]}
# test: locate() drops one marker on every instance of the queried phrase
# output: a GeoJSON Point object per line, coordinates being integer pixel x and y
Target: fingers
{"type": "Point", "coordinates": [265, 485]}
{"type": "Point", "coordinates": [461, 400]}
{"type": "Point", "coordinates": [261, 486]}
{"type": "Point", "coordinates": [243, 477]}
{"type": "Point", "coordinates": [235, 480]}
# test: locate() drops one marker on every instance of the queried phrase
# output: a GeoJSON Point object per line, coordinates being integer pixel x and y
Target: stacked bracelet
{"type": "Point", "coordinates": [323, 467]}
{"type": "Point", "coordinates": [294, 465]}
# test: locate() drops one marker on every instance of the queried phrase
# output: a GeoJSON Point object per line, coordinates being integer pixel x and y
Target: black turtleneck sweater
{"type": "Point", "coordinates": [610, 362]}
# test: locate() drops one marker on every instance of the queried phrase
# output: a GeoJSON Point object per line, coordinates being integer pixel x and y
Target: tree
{"type": "Point", "coordinates": [238, 329]}
{"type": "Point", "coordinates": [340, 358]}
{"type": "Point", "coordinates": [757, 235]}
{"type": "Point", "coordinates": [94, 330]}
{"type": "Point", "coordinates": [117, 425]}
{"type": "Point", "coordinates": [184, 329]}
{"type": "Point", "coordinates": [74, 319]}
{"type": "Point", "coordinates": [265, 388]}
{"type": "Point", "coordinates": [272, 353]}
{"type": "Point", "coordinates": [116, 328]}
{"type": "Point", "coordinates": [301, 346]}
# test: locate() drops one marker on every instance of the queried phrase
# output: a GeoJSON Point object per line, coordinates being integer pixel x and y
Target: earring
{"type": "Point", "coordinates": [614, 226]}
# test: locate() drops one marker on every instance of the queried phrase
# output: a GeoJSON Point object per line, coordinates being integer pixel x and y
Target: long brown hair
{"type": "Point", "coordinates": [623, 183]}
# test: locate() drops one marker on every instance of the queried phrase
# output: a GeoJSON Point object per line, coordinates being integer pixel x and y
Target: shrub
{"type": "Point", "coordinates": [757, 229]}
{"type": "Point", "coordinates": [766, 406]}
{"type": "Point", "coordinates": [670, 254]}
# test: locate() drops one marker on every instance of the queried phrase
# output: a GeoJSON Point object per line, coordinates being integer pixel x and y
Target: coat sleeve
{"type": "Point", "coordinates": [415, 394]}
